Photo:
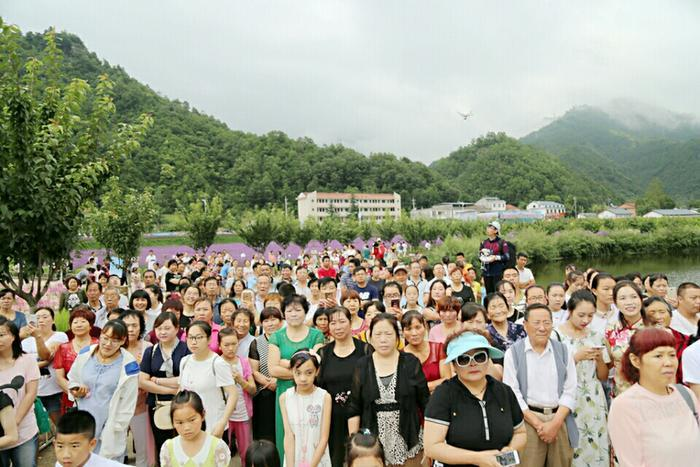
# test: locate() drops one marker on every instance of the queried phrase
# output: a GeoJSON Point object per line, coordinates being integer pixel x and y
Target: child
{"type": "Point", "coordinates": [239, 422]}
{"type": "Point", "coordinates": [262, 453]}
{"type": "Point", "coordinates": [306, 414]}
{"type": "Point", "coordinates": [75, 440]}
{"type": "Point", "coordinates": [364, 450]}
{"type": "Point", "coordinates": [192, 445]}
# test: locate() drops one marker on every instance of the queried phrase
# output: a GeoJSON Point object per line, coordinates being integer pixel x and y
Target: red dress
{"type": "Point", "coordinates": [63, 359]}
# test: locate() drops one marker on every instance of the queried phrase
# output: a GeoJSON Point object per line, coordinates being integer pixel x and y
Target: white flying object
{"type": "Point", "coordinates": [466, 115]}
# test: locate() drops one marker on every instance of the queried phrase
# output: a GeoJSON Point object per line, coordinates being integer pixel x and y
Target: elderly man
{"type": "Point", "coordinates": [542, 374]}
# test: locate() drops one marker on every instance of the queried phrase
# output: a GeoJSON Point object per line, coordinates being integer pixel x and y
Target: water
{"type": "Point", "coordinates": [679, 268]}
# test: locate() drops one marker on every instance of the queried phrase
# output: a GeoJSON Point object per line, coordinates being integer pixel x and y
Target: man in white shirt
{"type": "Point", "coordinates": [75, 440]}
{"type": "Point", "coordinates": [542, 374]}
{"type": "Point", "coordinates": [685, 318]}
{"type": "Point", "coordinates": [525, 276]}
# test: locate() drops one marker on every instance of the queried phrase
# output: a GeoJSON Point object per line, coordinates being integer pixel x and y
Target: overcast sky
{"type": "Point", "coordinates": [390, 76]}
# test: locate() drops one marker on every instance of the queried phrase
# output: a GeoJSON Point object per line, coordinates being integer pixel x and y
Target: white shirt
{"type": "Point", "coordinates": [47, 383]}
{"type": "Point", "coordinates": [525, 275]}
{"type": "Point", "coordinates": [691, 364]}
{"type": "Point", "coordinates": [197, 376]}
{"type": "Point", "coordinates": [97, 461]}
{"type": "Point", "coordinates": [681, 324]}
{"type": "Point", "coordinates": [559, 317]}
{"type": "Point", "coordinates": [542, 378]}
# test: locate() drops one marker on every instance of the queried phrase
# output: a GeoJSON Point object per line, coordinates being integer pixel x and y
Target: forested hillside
{"type": "Point", "coordinates": [626, 149]}
{"type": "Point", "coordinates": [188, 154]}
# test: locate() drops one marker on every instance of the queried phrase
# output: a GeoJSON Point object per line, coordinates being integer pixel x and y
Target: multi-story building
{"type": "Point", "coordinates": [490, 203]}
{"type": "Point", "coordinates": [552, 209]}
{"type": "Point", "coordinates": [318, 205]}
{"type": "Point", "coordinates": [456, 210]}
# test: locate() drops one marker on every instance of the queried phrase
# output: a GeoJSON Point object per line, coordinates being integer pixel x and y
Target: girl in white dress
{"type": "Point", "coordinates": [306, 414]}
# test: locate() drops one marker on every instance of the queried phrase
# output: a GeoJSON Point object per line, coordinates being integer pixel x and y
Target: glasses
{"type": "Point", "coordinates": [196, 338]}
{"type": "Point", "coordinates": [108, 340]}
{"type": "Point", "coordinates": [479, 358]}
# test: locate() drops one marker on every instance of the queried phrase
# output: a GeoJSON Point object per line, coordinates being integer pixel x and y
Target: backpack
{"type": "Point", "coordinates": [512, 253]}
{"type": "Point", "coordinates": [685, 392]}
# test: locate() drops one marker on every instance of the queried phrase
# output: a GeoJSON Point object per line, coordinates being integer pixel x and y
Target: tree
{"type": "Point", "coordinates": [122, 219]}
{"type": "Point", "coordinates": [655, 197]}
{"type": "Point", "coordinates": [259, 228]}
{"type": "Point", "coordinates": [58, 146]}
{"type": "Point", "coordinates": [202, 220]}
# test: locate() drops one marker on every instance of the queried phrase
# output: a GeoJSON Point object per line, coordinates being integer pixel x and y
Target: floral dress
{"type": "Point", "coordinates": [515, 333]}
{"type": "Point", "coordinates": [395, 449]}
{"type": "Point", "coordinates": [591, 408]}
{"type": "Point", "coordinates": [618, 336]}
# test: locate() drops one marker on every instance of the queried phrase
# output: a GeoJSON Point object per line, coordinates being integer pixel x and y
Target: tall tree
{"type": "Point", "coordinates": [122, 218]}
{"type": "Point", "coordinates": [201, 220]}
{"type": "Point", "coordinates": [58, 146]}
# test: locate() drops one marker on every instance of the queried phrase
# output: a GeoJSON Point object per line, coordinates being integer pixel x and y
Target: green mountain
{"type": "Point", "coordinates": [188, 153]}
{"type": "Point", "coordinates": [625, 146]}
{"type": "Point", "coordinates": [502, 166]}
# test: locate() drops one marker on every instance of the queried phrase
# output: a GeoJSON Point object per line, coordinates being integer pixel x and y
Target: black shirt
{"type": "Point", "coordinates": [151, 363]}
{"type": "Point", "coordinates": [454, 406]}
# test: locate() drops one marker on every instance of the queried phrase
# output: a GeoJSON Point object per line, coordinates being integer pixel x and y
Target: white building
{"type": "Point", "coordinates": [552, 209]}
{"type": "Point", "coordinates": [490, 203]}
{"type": "Point", "coordinates": [456, 210]}
{"type": "Point", "coordinates": [672, 213]}
{"type": "Point", "coordinates": [318, 205]}
{"type": "Point", "coordinates": [614, 213]}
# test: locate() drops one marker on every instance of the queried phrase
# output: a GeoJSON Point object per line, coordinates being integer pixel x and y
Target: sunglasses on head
{"type": "Point", "coordinates": [479, 358]}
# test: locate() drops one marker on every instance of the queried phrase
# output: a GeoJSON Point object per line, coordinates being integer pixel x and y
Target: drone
{"type": "Point", "coordinates": [466, 115]}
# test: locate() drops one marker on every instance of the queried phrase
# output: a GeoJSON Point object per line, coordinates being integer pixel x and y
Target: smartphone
{"type": "Point", "coordinates": [396, 303]}
{"type": "Point", "coordinates": [32, 319]}
{"type": "Point", "coordinates": [330, 295]}
{"type": "Point", "coordinates": [508, 458]}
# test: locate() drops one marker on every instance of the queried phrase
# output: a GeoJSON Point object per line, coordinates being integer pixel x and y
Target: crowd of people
{"type": "Point", "coordinates": [354, 357]}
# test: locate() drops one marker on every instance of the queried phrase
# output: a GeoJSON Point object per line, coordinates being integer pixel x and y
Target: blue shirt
{"type": "Point", "coordinates": [102, 381]}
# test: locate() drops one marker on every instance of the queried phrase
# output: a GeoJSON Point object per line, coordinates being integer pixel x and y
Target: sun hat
{"type": "Point", "coordinates": [470, 341]}
{"type": "Point", "coordinates": [495, 224]}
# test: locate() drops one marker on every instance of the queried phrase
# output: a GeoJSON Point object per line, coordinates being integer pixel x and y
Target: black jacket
{"type": "Point", "coordinates": [412, 394]}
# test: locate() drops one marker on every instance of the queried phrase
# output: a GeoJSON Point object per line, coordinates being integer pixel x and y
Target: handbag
{"type": "Point", "coordinates": [161, 416]}
{"type": "Point", "coordinates": [42, 417]}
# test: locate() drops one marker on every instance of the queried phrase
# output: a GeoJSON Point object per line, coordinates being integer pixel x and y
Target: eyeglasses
{"type": "Point", "coordinates": [196, 338]}
{"type": "Point", "coordinates": [479, 358]}
{"type": "Point", "coordinates": [109, 340]}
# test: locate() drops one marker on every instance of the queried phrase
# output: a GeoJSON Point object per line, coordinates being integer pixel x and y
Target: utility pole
{"type": "Point", "coordinates": [575, 212]}
{"type": "Point", "coordinates": [413, 202]}
{"type": "Point", "coordinates": [285, 206]}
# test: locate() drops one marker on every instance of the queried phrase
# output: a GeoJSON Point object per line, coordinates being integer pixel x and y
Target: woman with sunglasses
{"type": "Point", "coordinates": [472, 417]}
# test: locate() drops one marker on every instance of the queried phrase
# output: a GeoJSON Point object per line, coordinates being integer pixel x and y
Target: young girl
{"type": "Point", "coordinates": [306, 414]}
{"type": "Point", "coordinates": [239, 422]}
{"type": "Point", "coordinates": [262, 453]}
{"type": "Point", "coordinates": [364, 450]}
{"type": "Point", "coordinates": [192, 446]}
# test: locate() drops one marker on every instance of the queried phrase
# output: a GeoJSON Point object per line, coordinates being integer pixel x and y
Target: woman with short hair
{"type": "Point", "coordinates": [472, 417]}
{"type": "Point", "coordinates": [654, 422]}
{"type": "Point", "coordinates": [388, 392]}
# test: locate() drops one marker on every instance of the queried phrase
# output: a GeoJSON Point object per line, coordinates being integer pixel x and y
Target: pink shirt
{"type": "Point", "coordinates": [25, 366]}
{"type": "Point", "coordinates": [651, 430]}
{"type": "Point", "coordinates": [213, 341]}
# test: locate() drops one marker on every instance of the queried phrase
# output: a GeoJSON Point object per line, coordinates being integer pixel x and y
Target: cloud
{"type": "Point", "coordinates": [390, 76]}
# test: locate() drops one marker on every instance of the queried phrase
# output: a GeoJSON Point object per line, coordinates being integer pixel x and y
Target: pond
{"type": "Point", "coordinates": [679, 268]}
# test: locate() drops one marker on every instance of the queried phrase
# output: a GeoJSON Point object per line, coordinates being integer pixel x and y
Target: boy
{"type": "Point", "coordinates": [75, 440]}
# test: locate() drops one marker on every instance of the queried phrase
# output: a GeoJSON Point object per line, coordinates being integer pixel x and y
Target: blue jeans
{"type": "Point", "coordinates": [22, 455]}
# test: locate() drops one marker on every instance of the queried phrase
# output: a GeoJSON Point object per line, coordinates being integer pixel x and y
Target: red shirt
{"type": "Point", "coordinates": [63, 359]}
{"type": "Point", "coordinates": [322, 272]}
